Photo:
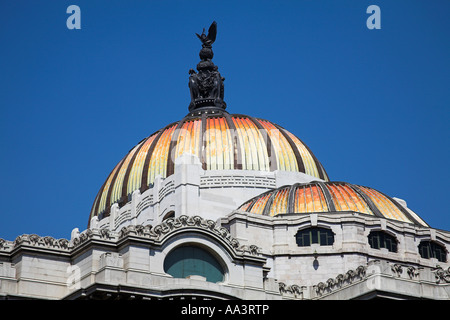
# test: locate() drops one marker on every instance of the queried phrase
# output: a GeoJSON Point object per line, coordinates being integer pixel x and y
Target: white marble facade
{"type": "Point", "coordinates": [123, 254]}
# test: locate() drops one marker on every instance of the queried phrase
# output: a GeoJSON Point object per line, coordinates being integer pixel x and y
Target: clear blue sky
{"type": "Point", "coordinates": [373, 105]}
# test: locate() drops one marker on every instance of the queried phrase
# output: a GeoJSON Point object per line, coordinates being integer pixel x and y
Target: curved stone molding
{"type": "Point", "coordinates": [171, 225]}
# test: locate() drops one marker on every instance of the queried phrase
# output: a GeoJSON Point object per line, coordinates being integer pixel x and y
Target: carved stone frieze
{"type": "Point", "coordinates": [411, 271]}
{"type": "Point", "coordinates": [341, 280]}
{"type": "Point", "coordinates": [294, 289]}
{"type": "Point", "coordinates": [161, 231]}
{"type": "Point", "coordinates": [397, 269]}
{"type": "Point", "coordinates": [38, 241]}
{"type": "Point", "coordinates": [442, 275]}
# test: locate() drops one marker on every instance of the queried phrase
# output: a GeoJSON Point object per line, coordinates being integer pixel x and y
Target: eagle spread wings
{"type": "Point", "coordinates": [211, 37]}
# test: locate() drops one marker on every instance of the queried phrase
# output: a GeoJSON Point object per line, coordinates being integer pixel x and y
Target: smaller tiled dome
{"type": "Point", "coordinates": [329, 197]}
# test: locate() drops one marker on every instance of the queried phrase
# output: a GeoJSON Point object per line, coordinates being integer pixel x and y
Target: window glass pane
{"type": "Point", "coordinates": [314, 236]}
{"type": "Point", "coordinates": [438, 252]}
{"type": "Point", "coordinates": [323, 238]}
{"type": "Point", "coordinates": [380, 239]}
{"type": "Point", "coordinates": [394, 247]}
{"type": "Point", "coordinates": [299, 241]}
{"type": "Point", "coordinates": [375, 240]}
{"type": "Point", "coordinates": [387, 243]}
{"type": "Point", "coordinates": [425, 250]}
{"type": "Point", "coordinates": [330, 238]}
{"type": "Point", "coordinates": [190, 260]}
{"type": "Point", "coordinates": [429, 249]}
{"type": "Point", "coordinates": [306, 238]}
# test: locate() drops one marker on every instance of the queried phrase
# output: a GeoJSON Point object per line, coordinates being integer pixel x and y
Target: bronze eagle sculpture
{"type": "Point", "coordinates": [209, 39]}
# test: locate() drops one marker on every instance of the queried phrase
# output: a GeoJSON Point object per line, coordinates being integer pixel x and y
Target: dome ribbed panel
{"type": "Point", "coordinates": [219, 153]}
{"type": "Point", "coordinates": [260, 204]}
{"type": "Point", "coordinates": [309, 198]}
{"type": "Point", "coordinates": [246, 205]}
{"type": "Point", "coordinates": [346, 199]}
{"type": "Point", "coordinates": [116, 192]}
{"type": "Point", "coordinates": [189, 138]}
{"type": "Point", "coordinates": [280, 202]}
{"type": "Point", "coordinates": [285, 156]}
{"type": "Point", "coordinates": [311, 167]}
{"type": "Point", "coordinates": [135, 178]}
{"type": "Point", "coordinates": [158, 161]}
{"type": "Point", "coordinates": [103, 198]}
{"type": "Point", "coordinates": [253, 148]}
{"type": "Point", "coordinates": [387, 208]}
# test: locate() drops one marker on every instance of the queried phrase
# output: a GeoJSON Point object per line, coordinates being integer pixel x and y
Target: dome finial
{"type": "Point", "coordinates": [206, 86]}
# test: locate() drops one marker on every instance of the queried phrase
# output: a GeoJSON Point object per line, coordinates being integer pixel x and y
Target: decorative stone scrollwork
{"type": "Point", "coordinates": [397, 269]}
{"type": "Point", "coordinates": [412, 272]}
{"type": "Point", "coordinates": [3, 243]}
{"type": "Point", "coordinates": [292, 289]}
{"type": "Point", "coordinates": [38, 241]}
{"type": "Point", "coordinates": [442, 274]}
{"type": "Point", "coordinates": [138, 230]}
{"type": "Point", "coordinates": [341, 279]}
{"type": "Point", "coordinates": [83, 237]}
{"type": "Point", "coordinates": [162, 230]}
{"type": "Point", "coordinates": [252, 249]}
{"type": "Point", "coordinates": [105, 233]}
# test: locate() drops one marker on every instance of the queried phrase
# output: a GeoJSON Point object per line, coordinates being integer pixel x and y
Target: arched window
{"type": "Point", "coordinates": [186, 261]}
{"type": "Point", "coordinates": [322, 236]}
{"type": "Point", "coordinates": [380, 239]}
{"type": "Point", "coordinates": [430, 249]}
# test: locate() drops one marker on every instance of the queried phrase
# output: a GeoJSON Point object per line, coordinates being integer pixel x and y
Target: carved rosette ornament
{"type": "Point", "coordinates": [206, 86]}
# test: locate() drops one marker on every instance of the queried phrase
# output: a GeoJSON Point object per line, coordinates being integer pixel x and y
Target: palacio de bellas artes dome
{"type": "Point", "coordinates": [220, 205]}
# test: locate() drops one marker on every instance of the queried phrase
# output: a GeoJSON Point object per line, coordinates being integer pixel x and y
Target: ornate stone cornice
{"type": "Point", "coordinates": [35, 240]}
{"type": "Point", "coordinates": [156, 235]}
{"type": "Point", "coordinates": [38, 241]}
{"type": "Point", "coordinates": [294, 289]}
{"type": "Point", "coordinates": [162, 231]}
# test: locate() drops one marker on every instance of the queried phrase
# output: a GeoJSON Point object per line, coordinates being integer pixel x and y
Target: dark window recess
{"type": "Point", "coordinates": [191, 260]}
{"type": "Point", "coordinates": [380, 239]}
{"type": "Point", "coordinates": [322, 236]}
{"type": "Point", "coordinates": [430, 249]}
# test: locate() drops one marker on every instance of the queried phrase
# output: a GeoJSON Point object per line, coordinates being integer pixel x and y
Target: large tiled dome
{"type": "Point", "coordinates": [220, 140]}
